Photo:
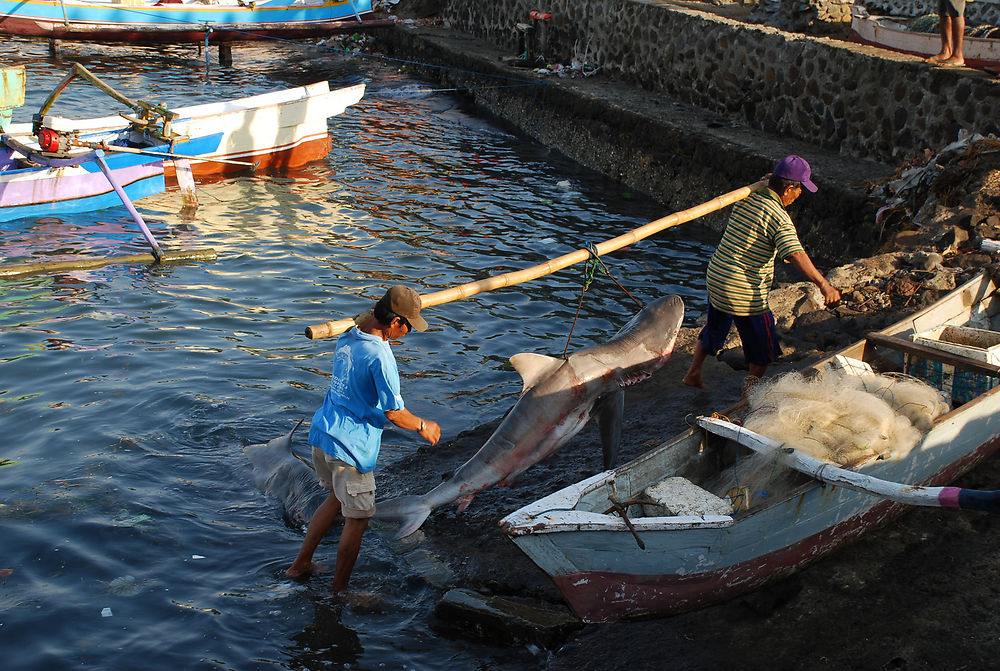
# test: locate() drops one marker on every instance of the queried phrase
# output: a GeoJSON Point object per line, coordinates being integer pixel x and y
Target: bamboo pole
{"type": "Point", "coordinates": [332, 328]}
{"type": "Point", "coordinates": [88, 264]}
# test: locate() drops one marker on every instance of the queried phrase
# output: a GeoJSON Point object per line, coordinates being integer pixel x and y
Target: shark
{"type": "Point", "coordinates": [278, 471]}
{"type": "Point", "coordinates": [558, 398]}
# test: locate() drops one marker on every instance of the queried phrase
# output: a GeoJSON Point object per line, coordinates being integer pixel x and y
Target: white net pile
{"type": "Point", "coordinates": [845, 418]}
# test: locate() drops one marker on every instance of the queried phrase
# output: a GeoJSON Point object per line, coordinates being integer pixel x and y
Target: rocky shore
{"type": "Point", "coordinates": [918, 594]}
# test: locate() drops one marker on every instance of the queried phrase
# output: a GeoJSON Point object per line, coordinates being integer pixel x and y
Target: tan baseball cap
{"type": "Point", "coordinates": [405, 302]}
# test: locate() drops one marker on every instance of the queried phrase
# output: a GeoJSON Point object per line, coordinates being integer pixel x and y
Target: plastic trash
{"type": "Point", "coordinates": [197, 557]}
{"type": "Point", "coordinates": [106, 612]}
{"type": "Point", "coordinates": [988, 245]}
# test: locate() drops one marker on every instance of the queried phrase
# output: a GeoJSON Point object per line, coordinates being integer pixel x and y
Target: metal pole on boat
{"type": "Point", "coordinates": [99, 157]}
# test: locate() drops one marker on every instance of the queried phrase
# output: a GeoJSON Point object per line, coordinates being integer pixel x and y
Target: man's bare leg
{"type": "Point", "coordinates": [754, 375]}
{"type": "Point", "coordinates": [319, 524]}
{"type": "Point", "coordinates": [347, 551]}
{"type": "Point", "coordinates": [957, 41]}
{"type": "Point", "coordinates": [693, 377]}
{"type": "Point", "coordinates": [947, 47]}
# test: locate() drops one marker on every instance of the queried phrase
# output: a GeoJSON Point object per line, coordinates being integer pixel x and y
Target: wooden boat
{"type": "Point", "coordinates": [647, 561]}
{"type": "Point", "coordinates": [45, 167]}
{"type": "Point", "coordinates": [173, 21]}
{"type": "Point", "coordinates": [277, 130]}
{"type": "Point", "coordinates": [889, 33]}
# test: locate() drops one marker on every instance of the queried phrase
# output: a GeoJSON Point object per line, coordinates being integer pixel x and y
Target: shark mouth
{"type": "Point", "coordinates": [634, 378]}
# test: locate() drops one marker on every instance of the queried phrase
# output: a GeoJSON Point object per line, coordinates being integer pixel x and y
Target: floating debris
{"type": "Point", "coordinates": [125, 585]}
{"type": "Point", "coordinates": [124, 519]}
{"type": "Point", "coordinates": [106, 612]}
{"type": "Point", "coordinates": [8, 462]}
{"type": "Point", "coordinates": [190, 607]}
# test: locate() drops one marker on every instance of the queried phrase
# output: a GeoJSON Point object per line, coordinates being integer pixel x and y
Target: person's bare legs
{"type": "Point", "coordinates": [347, 551]}
{"type": "Point", "coordinates": [319, 524]}
{"type": "Point", "coordinates": [693, 377]}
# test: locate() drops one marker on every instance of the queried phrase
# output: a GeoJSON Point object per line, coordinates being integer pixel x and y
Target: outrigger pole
{"type": "Point", "coordinates": [911, 495]}
{"type": "Point", "coordinates": [332, 328]}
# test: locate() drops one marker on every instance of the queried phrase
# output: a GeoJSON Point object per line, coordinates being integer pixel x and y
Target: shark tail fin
{"type": "Point", "coordinates": [409, 511]}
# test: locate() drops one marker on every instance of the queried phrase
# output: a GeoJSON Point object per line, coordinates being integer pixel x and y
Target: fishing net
{"type": "Point", "coordinates": [845, 419]}
{"type": "Point", "coordinates": [836, 416]}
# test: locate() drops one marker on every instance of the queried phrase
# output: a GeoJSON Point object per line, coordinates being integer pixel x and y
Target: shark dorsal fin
{"type": "Point", "coordinates": [533, 367]}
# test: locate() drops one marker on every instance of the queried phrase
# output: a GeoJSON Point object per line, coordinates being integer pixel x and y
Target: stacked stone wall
{"type": "Point", "coordinates": [856, 100]}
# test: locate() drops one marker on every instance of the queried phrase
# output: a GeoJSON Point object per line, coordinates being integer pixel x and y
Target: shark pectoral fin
{"type": "Point", "coordinates": [533, 367]}
{"type": "Point", "coordinates": [609, 411]}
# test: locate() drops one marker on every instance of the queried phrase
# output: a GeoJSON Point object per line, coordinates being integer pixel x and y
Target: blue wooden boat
{"type": "Point", "coordinates": [171, 21]}
{"type": "Point", "coordinates": [36, 183]}
{"type": "Point", "coordinates": [616, 552]}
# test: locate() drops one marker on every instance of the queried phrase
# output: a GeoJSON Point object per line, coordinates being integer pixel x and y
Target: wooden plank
{"type": "Point", "coordinates": [931, 354]}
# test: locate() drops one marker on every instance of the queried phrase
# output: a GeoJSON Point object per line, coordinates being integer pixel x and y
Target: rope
{"type": "Point", "coordinates": [589, 271]}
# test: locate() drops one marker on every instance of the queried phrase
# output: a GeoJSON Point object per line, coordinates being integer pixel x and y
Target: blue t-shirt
{"type": "Point", "coordinates": [365, 384]}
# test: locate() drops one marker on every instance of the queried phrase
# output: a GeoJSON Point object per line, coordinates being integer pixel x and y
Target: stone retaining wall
{"type": "Point", "coordinates": [856, 100]}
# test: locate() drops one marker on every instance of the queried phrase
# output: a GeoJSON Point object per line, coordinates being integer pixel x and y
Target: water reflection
{"type": "Point", "coordinates": [324, 640]}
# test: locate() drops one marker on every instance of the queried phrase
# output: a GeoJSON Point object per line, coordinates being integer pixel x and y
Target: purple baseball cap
{"type": "Point", "coordinates": [796, 169]}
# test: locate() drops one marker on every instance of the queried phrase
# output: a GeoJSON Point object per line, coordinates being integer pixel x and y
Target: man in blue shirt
{"type": "Point", "coordinates": [346, 431]}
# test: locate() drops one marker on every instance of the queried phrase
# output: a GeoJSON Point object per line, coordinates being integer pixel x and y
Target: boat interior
{"type": "Point", "coordinates": [953, 345]}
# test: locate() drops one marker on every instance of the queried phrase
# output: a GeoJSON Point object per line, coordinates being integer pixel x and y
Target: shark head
{"type": "Point", "coordinates": [652, 332]}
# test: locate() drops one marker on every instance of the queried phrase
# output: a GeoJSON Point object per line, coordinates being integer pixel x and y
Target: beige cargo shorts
{"type": "Point", "coordinates": [354, 490]}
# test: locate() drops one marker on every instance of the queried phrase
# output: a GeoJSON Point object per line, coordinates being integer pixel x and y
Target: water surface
{"type": "Point", "coordinates": [127, 393]}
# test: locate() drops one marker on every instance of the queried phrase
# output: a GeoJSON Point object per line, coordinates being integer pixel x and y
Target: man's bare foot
{"type": "Point", "coordinates": [312, 569]}
{"type": "Point", "coordinates": [368, 601]}
{"type": "Point", "coordinates": [937, 58]}
{"type": "Point", "coordinates": [694, 381]}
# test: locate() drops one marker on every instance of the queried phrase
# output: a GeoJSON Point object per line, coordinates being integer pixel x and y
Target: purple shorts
{"type": "Point", "coordinates": [757, 334]}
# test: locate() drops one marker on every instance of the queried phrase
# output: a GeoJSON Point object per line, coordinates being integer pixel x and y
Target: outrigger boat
{"type": "Point", "coordinates": [50, 166]}
{"type": "Point", "coordinates": [615, 553]}
{"type": "Point", "coordinates": [174, 21]}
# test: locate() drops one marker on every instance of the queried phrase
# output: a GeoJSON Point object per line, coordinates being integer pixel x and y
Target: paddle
{"type": "Point", "coordinates": [913, 495]}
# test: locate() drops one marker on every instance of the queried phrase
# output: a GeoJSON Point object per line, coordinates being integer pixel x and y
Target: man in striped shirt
{"type": "Point", "coordinates": [742, 269]}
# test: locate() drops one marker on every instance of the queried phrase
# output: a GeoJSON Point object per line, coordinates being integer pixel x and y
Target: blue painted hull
{"type": "Point", "coordinates": [176, 22]}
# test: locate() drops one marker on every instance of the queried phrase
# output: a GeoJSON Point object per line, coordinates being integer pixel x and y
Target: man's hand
{"type": "Point", "coordinates": [429, 431]}
{"type": "Point", "coordinates": [830, 294]}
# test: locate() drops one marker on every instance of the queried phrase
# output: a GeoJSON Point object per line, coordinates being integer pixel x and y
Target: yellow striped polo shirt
{"type": "Point", "coordinates": [742, 268]}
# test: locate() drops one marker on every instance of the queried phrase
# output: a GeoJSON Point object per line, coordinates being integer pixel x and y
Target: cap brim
{"type": "Point", "coordinates": [417, 322]}
{"type": "Point", "coordinates": [809, 185]}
